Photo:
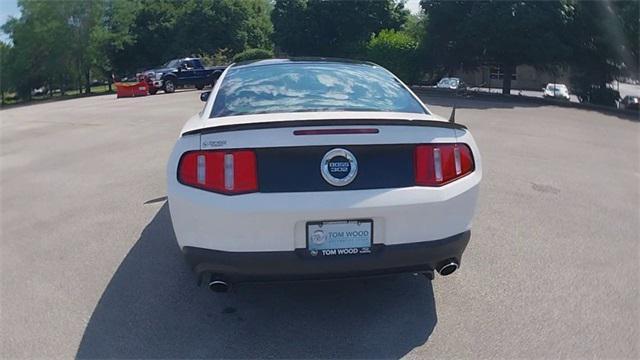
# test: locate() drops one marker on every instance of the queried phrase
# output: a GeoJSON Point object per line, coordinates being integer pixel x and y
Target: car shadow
{"type": "Point", "coordinates": [152, 308]}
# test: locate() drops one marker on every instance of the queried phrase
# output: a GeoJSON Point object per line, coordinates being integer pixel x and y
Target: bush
{"type": "Point", "coordinates": [590, 85]}
{"type": "Point", "coordinates": [599, 94]}
{"type": "Point", "coordinates": [220, 57]}
{"type": "Point", "coordinates": [602, 96]}
{"type": "Point", "coordinates": [396, 51]}
{"type": "Point", "coordinates": [253, 54]}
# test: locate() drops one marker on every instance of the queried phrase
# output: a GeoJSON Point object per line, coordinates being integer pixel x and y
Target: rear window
{"type": "Point", "coordinates": [301, 87]}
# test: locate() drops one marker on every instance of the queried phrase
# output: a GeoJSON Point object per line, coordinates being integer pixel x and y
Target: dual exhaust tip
{"type": "Point", "coordinates": [448, 268]}
{"type": "Point", "coordinates": [219, 286]}
{"type": "Point", "coordinates": [214, 283]}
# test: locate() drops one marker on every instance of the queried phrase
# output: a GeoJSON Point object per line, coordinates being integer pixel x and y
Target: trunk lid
{"type": "Point", "coordinates": [290, 153]}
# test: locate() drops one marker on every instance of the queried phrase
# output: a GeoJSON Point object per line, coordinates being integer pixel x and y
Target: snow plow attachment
{"type": "Point", "coordinates": [132, 89]}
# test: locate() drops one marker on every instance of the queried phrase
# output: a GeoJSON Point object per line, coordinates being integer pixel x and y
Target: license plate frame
{"type": "Point", "coordinates": [340, 237]}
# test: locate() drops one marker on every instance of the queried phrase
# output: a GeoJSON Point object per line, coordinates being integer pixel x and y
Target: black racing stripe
{"type": "Point", "coordinates": [297, 169]}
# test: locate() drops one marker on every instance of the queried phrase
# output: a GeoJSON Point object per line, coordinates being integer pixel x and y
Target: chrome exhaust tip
{"type": "Point", "coordinates": [448, 268]}
{"type": "Point", "coordinates": [218, 286]}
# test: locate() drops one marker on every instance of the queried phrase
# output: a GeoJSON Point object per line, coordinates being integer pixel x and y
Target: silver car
{"type": "Point", "coordinates": [556, 91]}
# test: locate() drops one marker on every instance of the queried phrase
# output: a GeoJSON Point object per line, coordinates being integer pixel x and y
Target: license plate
{"type": "Point", "coordinates": [334, 238]}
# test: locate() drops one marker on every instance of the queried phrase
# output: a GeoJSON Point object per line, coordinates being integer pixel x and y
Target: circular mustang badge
{"type": "Point", "coordinates": [339, 167]}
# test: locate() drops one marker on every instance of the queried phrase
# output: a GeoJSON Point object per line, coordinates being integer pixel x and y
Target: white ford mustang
{"type": "Point", "coordinates": [314, 169]}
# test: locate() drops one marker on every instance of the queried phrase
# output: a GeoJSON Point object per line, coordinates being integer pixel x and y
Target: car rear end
{"type": "Point", "coordinates": [557, 91]}
{"type": "Point", "coordinates": [316, 195]}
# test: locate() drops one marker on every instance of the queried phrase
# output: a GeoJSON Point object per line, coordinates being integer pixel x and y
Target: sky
{"type": "Point", "coordinates": [8, 8]}
{"type": "Point", "coordinates": [412, 5]}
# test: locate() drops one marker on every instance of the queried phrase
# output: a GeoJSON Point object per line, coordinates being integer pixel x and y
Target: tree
{"type": "Point", "coordinates": [600, 49]}
{"type": "Point", "coordinates": [87, 27]}
{"type": "Point", "coordinates": [71, 42]}
{"type": "Point", "coordinates": [415, 26]}
{"type": "Point", "coordinates": [289, 31]}
{"type": "Point", "coordinates": [224, 21]}
{"type": "Point", "coordinates": [53, 44]}
{"type": "Point", "coordinates": [114, 35]}
{"type": "Point", "coordinates": [40, 38]}
{"type": "Point", "coordinates": [628, 14]}
{"type": "Point", "coordinates": [165, 29]}
{"type": "Point", "coordinates": [506, 33]}
{"type": "Point", "coordinates": [258, 24]}
{"type": "Point", "coordinates": [154, 38]}
{"type": "Point", "coordinates": [396, 51]}
{"type": "Point", "coordinates": [332, 28]}
{"type": "Point", "coordinates": [6, 83]}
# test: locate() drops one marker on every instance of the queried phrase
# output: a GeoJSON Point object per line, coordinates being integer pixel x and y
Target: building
{"type": "Point", "coordinates": [524, 78]}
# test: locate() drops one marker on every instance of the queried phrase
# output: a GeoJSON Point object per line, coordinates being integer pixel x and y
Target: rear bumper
{"type": "Point", "coordinates": [265, 222]}
{"type": "Point", "coordinates": [297, 265]}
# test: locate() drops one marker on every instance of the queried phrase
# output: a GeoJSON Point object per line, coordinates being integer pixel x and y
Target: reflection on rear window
{"type": "Point", "coordinates": [298, 87]}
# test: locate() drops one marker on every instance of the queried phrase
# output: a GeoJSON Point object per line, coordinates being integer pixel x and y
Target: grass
{"type": "Point", "coordinates": [9, 99]}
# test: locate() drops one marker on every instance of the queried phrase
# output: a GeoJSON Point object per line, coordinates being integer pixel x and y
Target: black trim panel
{"type": "Point", "coordinates": [330, 122]}
{"type": "Point", "coordinates": [299, 265]}
{"type": "Point", "coordinates": [296, 169]}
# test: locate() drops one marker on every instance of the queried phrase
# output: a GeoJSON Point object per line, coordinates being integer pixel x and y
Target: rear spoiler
{"type": "Point", "coordinates": [332, 122]}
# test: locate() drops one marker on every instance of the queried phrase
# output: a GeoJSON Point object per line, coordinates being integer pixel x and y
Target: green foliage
{"type": "Point", "coordinates": [44, 45]}
{"type": "Point", "coordinates": [167, 29]}
{"type": "Point", "coordinates": [396, 51]}
{"type": "Point", "coordinates": [594, 94]}
{"type": "Point", "coordinates": [598, 40]}
{"type": "Point", "coordinates": [415, 26]}
{"type": "Point", "coordinates": [289, 19]}
{"type": "Point", "coordinates": [259, 26]}
{"type": "Point", "coordinates": [600, 50]}
{"type": "Point", "coordinates": [6, 83]}
{"type": "Point", "coordinates": [117, 35]}
{"type": "Point", "coordinates": [332, 28]}
{"type": "Point", "coordinates": [60, 44]}
{"type": "Point", "coordinates": [509, 33]}
{"type": "Point", "coordinates": [604, 96]}
{"type": "Point", "coordinates": [67, 44]}
{"type": "Point", "coordinates": [222, 57]}
{"type": "Point", "coordinates": [253, 54]}
{"type": "Point", "coordinates": [628, 16]}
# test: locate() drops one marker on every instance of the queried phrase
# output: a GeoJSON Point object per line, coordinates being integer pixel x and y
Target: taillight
{"type": "Point", "coordinates": [228, 172]}
{"type": "Point", "coordinates": [439, 164]}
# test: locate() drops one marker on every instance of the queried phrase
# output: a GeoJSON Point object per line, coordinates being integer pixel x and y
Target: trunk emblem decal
{"type": "Point", "coordinates": [339, 167]}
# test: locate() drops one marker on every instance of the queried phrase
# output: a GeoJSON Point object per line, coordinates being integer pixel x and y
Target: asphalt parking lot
{"type": "Point", "coordinates": [90, 266]}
